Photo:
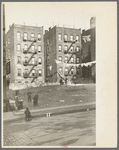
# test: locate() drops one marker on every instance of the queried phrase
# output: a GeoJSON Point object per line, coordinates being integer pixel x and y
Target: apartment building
{"type": "Point", "coordinates": [89, 49]}
{"type": "Point", "coordinates": [64, 45]}
{"type": "Point", "coordinates": [25, 54]}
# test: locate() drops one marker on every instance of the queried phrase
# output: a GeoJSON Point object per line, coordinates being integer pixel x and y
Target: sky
{"type": "Point", "coordinates": [49, 14]}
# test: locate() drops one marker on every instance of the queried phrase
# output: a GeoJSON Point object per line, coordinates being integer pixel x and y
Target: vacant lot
{"type": "Point", "coordinates": [56, 95]}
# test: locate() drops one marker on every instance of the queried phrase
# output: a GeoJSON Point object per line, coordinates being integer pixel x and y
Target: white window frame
{"type": "Point", "coordinates": [40, 72]}
{"type": "Point", "coordinates": [25, 35]}
{"type": "Point", "coordinates": [25, 47]}
{"type": "Point", "coordinates": [72, 48]}
{"type": "Point", "coordinates": [60, 48]}
{"type": "Point", "coordinates": [65, 37]}
{"type": "Point", "coordinates": [77, 37]}
{"type": "Point", "coordinates": [71, 37]}
{"type": "Point", "coordinates": [40, 60]}
{"type": "Point", "coordinates": [66, 69]}
{"type": "Point", "coordinates": [32, 48]}
{"type": "Point", "coordinates": [33, 60]}
{"type": "Point", "coordinates": [72, 58]}
{"type": "Point", "coordinates": [60, 58]}
{"type": "Point", "coordinates": [33, 72]}
{"type": "Point", "coordinates": [39, 49]}
{"type": "Point", "coordinates": [18, 35]}
{"type": "Point", "coordinates": [26, 59]}
{"type": "Point", "coordinates": [59, 37]}
{"type": "Point", "coordinates": [32, 36]}
{"type": "Point", "coordinates": [78, 60]}
{"type": "Point", "coordinates": [39, 37]}
{"type": "Point", "coordinates": [18, 47]}
{"type": "Point", "coordinates": [66, 47]}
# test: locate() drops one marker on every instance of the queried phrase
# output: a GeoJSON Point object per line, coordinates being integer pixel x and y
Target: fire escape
{"type": "Point", "coordinates": [75, 53]}
{"type": "Point", "coordinates": [28, 62]}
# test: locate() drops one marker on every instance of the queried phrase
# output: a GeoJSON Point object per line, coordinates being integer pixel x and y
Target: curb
{"type": "Point", "coordinates": [54, 112]}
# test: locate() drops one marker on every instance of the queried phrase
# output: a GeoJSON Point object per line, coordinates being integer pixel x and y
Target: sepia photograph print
{"type": "Point", "coordinates": [49, 74]}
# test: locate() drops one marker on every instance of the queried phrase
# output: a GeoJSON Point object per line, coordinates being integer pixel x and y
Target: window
{"type": "Point", "coordinates": [77, 49]}
{"type": "Point", "coordinates": [39, 60]}
{"type": "Point", "coordinates": [72, 60]}
{"type": "Point", "coordinates": [72, 48]}
{"type": "Point", "coordinates": [32, 48]}
{"type": "Point", "coordinates": [66, 48]}
{"type": "Point", "coordinates": [59, 36]}
{"type": "Point", "coordinates": [72, 70]}
{"type": "Point", "coordinates": [60, 69]}
{"type": "Point", "coordinates": [40, 72]}
{"type": "Point", "coordinates": [66, 58]}
{"type": "Point", "coordinates": [26, 71]}
{"type": "Point", "coordinates": [19, 72]}
{"type": "Point", "coordinates": [18, 47]}
{"type": "Point", "coordinates": [25, 36]}
{"type": "Point", "coordinates": [39, 49]}
{"type": "Point", "coordinates": [71, 38]}
{"type": "Point", "coordinates": [32, 36]}
{"type": "Point", "coordinates": [66, 69]}
{"type": "Point", "coordinates": [18, 59]}
{"type": "Point", "coordinates": [39, 37]}
{"type": "Point", "coordinates": [65, 37]}
{"type": "Point", "coordinates": [60, 58]}
{"type": "Point", "coordinates": [33, 60]}
{"type": "Point", "coordinates": [77, 60]}
{"type": "Point", "coordinates": [8, 40]}
{"type": "Point", "coordinates": [26, 59]}
{"type": "Point", "coordinates": [60, 48]}
{"type": "Point", "coordinates": [47, 41]}
{"type": "Point", "coordinates": [18, 36]}
{"type": "Point", "coordinates": [25, 47]}
{"type": "Point", "coordinates": [77, 37]}
{"type": "Point", "coordinates": [33, 72]}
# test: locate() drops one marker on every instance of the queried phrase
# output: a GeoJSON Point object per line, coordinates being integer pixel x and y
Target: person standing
{"type": "Point", "coordinates": [27, 114]}
{"type": "Point", "coordinates": [29, 96]}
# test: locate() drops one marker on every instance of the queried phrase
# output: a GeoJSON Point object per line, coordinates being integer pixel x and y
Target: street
{"type": "Point", "coordinates": [76, 129]}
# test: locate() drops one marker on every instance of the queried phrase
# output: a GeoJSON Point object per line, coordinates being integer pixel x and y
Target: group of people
{"type": "Point", "coordinates": [35, 98]}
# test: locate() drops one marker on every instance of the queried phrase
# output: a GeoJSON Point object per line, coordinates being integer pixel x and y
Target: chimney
{"type": "Point", "coordinates": [46, 31]}
{"type": "Point", "coordinates": [92, 22]}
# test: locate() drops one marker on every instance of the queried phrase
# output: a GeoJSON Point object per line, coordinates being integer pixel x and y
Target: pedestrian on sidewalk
{"type": "Point", "coordinates": [27, 114]}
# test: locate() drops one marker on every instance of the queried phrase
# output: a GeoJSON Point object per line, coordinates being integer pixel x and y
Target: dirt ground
{"type": "Point", "coordinates": [56, 95]}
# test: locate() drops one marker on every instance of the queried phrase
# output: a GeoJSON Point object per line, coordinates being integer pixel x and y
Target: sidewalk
{"type": "Point", "coordinates": [19, 115]}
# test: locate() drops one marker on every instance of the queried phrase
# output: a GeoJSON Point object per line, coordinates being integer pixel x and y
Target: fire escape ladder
{"type": "Point", "coordinates": [30, 57]}
{"type": "Point", "coordinates": [69, 70]}
{"type": "Point", "coordinates": [30, 45]}
{"type": "Point", "coordinates": [52, 74]}
{"type": "Point", "coordinates": [30, 70]}
{"type": "Point", "coordinates": [33, 79]}
{"type": "Point", "coordinates": [70, 58]}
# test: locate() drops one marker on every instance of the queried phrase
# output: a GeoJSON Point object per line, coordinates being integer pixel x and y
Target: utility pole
{"type": "Point", "coordinates": [5, 100]}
